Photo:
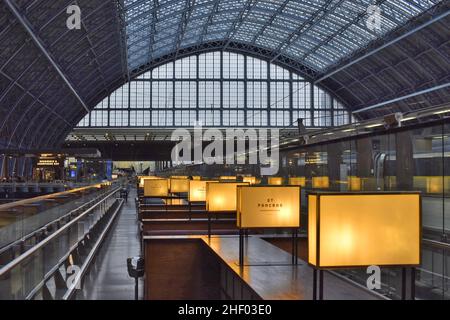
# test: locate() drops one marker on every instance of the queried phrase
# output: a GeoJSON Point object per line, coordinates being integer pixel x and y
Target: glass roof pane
{"type": "Point", "coordinates": [325, 31]}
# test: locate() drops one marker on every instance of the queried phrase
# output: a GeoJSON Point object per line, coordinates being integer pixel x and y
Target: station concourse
{"type": "Point", "coordinates": [232, 150]}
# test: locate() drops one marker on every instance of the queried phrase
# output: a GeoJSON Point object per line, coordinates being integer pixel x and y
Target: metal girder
{"type": "Point", "coordinates": [384, 46]}
{"type": "Point", "coordinates": [210, 17]}
{"type": "Point", "coordinates": [315, 18]}
{"type": "Point", "coordinates": [339, 31]}
{"type": "Point", "coordinates": [232, 46]}
{"type": "Point", "coordinates": [412, 95]}
{"type": "Point", "coordinates": [237, 23]}
{"type": "Point", "coordinates": [37, 99]}
{"type": "Point", "coordinates": [153, 26]}
{"type": "Point", "coordinates": [27, 26]}
{"type": "Point", "coordinates": [270, 21]}
{"type": "Point", "coordinates": [183, 24]}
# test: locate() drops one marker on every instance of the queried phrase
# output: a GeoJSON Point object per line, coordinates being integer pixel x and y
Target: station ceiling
{"type": "Point", "coordinates": [50, 76]}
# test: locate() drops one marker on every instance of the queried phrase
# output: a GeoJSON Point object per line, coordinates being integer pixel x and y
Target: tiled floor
{"type": "Point", "coordinates": [108, 278]}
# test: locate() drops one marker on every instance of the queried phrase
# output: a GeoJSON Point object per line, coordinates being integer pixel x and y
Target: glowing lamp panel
{"type": "Point", "coordinates": [249, 180]}
{"type": "Point", "coordinates": [142, 179]}
{"type": "Point", "coordinates": [363, 230]}
{"type": "Point", "coordinates": [320, 182]}
{"type": "Point", "coordinates": [156, 188]}
{"type": "Point", "coordinates": [221, 197]}
{"type": "Point", "coordinates": [179, 185]}
{"type": "Point", "coordinates": [268, 207]}
{"type": "Point", "coordinates": [197, 191]}
{"type": "Point", "coordinates": [297, 181]}
{"type": "Point", "coordinates": [227, 178]}
{"type": "Point", "coordinates": [354, 183]}
{"type": "Point", "coordinates": [275, 181]}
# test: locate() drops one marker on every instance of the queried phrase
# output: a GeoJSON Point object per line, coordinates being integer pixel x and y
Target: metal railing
{"type": "Point", "coordinates": [15, 238]}
{"type": "Point", "coordinates": [53, 268]}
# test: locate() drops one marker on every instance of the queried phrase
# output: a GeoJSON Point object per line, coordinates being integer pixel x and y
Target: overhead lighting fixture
{"type": "Point", "coordinates": [348, 130]}
{"type": "Point", "coordinates": [408, 119]}
{"type": "Point", "coordinates": [374, 125]}
{"type": "Point", "coordinates": [442, 112]}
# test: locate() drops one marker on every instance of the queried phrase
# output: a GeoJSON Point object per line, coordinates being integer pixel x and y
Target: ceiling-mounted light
{"type": "Point", "coordinates": [374, 125]}
{"type": "Point", "coordinates": [442, 112]}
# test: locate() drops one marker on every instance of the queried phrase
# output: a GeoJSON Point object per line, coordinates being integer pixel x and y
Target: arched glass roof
{"type": "Point", "coordinates": [51, 76]}
{"type": "Point", "coordinates": [316, 33]}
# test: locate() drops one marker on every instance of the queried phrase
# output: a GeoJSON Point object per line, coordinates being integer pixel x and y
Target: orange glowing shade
{"type": "Point", "coordinates": [197, 190]}
{"type": "Point", "coordinates": [156, 187]}
{"type": "Point", "coordinates": [320, 182]}
{"type": "Point", "coordinates": [221, 196]}
{"type": "Point", "coordinates": [275, 181]}
{"type": "Point", "coordinates": [357, 230]}
{"type": "Point", "coordinates": [179, 185]}
{"type": "Point", "coordinates": [227, 178]}
{"type": "Point", "coordinates": [432, 184]}
{"type": "Point", "coordinates": [354, 183]}
{"type": "Point", "coordinates": [142, 178]}
{"type": "Point", "coordinates": [249, 180]}
{"type": "Point", "coordinates": [179, 177]}
{"type": "Point", "coordinates": [297, 181]}
{"type": "Point", "coordinates": [268, 207]}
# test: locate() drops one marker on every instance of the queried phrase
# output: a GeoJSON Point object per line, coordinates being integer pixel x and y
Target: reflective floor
{"type": "Point", "coordinates": [108, 278]}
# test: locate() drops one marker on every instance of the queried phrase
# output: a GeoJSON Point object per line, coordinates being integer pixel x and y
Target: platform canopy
{"type": "Point", "coordinates": [51, 77]}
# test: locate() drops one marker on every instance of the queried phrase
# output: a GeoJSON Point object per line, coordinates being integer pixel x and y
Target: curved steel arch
{"type": "Point", "coordinates": [247, 50]}
{"type": "Point", "coordinates": [312, 38]}
{"type": "Point", "coordinates": [265, 24]}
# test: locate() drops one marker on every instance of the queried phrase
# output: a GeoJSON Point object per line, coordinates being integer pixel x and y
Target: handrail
{"type": "Point", "coordinates": [32, 234]}
{"type": "Point", "coordinates": [48, 196]}
{"type": "Point", "coordinates": [5, 269]}
{"type": "Point", "coordinates": [64, 257]}
{"type": "Point", "coordinates": [91, 255]}
{"type": "Point", "coordinates": [436, 244]}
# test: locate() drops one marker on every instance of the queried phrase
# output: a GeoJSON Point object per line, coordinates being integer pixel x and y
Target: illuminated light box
{"type": "Point", "coordinates": [320, 182]}
{"type": "Point", "coordinates": [221, 196]}
{"type": "Point", "coordinates": [142, 178]}
{"type": "Point", "coordinates": [434, 185]}
{"type": "Point", "coordinates": [179, 177]}
{"type": "Point", "coordinates": [275, 181]}
{"type": "Point", "coordinates": [175, 202]}
{"type": "Point", "coordinates": [197, 190]}
{"type": "Point", "coordinates": [227, 178]}
{"type": "Point", "coordinates": [354, 183]}
{"type": "Point", "coordinates": [362, 229]}
{"type": "Point", "coordinates": [249, 180]}
{"type": "Point", "coordinates": [431, 184]}
{"type": "Point", "coordinates": [179, 185]}
{"type": "Point", "coordinates": [196, 178]}
{"type": "Point", "coordinates": [297, 181]}
{"type": "Point", "coordinates": [156, 187]}
{"type": "Point", "coordinates": [268, 207]}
